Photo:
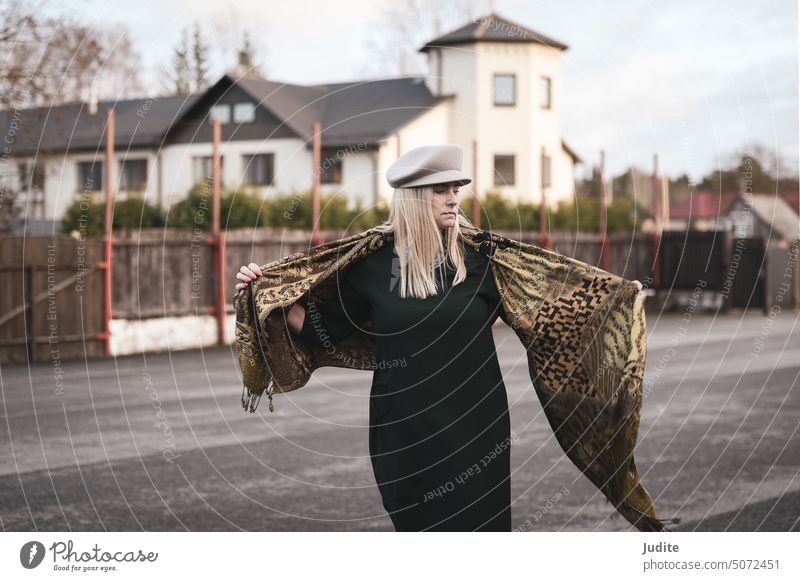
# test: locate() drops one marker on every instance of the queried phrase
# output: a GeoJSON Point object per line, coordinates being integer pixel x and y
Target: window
{"type": "Point", "coordinates": [258, 168]}
{"type": "Point", "coordinates": [546, 92]}
{"type": "Point", "coordinates": [545, 170]}
{"type": "Point", "coordinates": [223, 111]}
{"type": "Point", "coordinates": [331, 166]}
{"type": "Point", "coordinates": [505, 89]}
{"type": "Point", "coordinates": [133, 174]}
{"type": "Point", "coordinates": [31, 176]}
{"type": "Point", "coordinates": [90, 176]}
{"type": "Point", "coordinates": [546, 88]}
{"type": "Point", "coordinates": [202, 166]}
{"type": "Point", "coordinates": [504, 170]}
{"type": "Point", "coordinates": [244, 113]}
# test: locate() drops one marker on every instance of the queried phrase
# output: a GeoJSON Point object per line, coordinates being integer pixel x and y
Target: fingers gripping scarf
{"type": "Point", "coordinates": [583, 330]}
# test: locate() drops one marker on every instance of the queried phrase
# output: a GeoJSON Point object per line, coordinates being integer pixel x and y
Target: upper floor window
{"type": "Point", "coordinates": [133, 174]}
{"type": "Point", "coordinates": [90, 176]}
{"type": "Point", "coordinates": [546, 92]}
{"type": "Point", "coordinates": [244, 112]}
{"type": "Point", "coordinates": [505, 89]}
{"type": "Point", "coordinates": [221, 110]}
{"type": "Point", "coordinates": [331, 166]}
{"type": "Point", "coordinates": [259, 168]}
{"type": "Point", "coordinates": [504, 170]}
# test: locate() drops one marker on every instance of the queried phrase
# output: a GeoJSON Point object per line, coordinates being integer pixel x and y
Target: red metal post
{"type": "Point", "coordinates": [602, 223]}
{"type": "Point", "coordinates": [316, 157]}
{"type": "Point", "coordinates": [544, 238]}
{"type": "Point", "coordinates": [657, 225]}
{"type": "Point", "coordinates": [476, 202]}
{"type": "Point", "coordinates": [108, 227]}
{"type": "Point", "coordinates": [218, 237]}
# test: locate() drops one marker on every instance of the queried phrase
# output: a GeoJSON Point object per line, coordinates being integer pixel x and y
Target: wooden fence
{"type": "Point", "coordinates": [52, 304]}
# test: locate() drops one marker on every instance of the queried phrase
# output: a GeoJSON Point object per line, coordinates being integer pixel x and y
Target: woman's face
{"type": "Point", "coordinates": [445, 204]}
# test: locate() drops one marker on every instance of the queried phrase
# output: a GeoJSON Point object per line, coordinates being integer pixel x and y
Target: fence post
{"type": "Point", "coordinates": [108, 227]}
{"type": "Point", "coordinates": [219, 239]}
{"type": "Point", "coordinates": [30, 275]}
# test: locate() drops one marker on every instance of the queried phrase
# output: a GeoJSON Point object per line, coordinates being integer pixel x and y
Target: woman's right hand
{"type": "Point", "coordinates": [247, 273]}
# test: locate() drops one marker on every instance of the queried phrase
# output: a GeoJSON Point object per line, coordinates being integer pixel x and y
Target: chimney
{"type": "Point", "coordinates": [93, 98]}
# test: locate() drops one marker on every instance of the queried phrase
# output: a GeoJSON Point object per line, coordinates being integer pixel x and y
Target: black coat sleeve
{"type": "Point", "coordinates": [338, 316]}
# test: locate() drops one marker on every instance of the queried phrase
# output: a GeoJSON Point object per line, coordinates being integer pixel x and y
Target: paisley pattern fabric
{"type": "Point", "coordinates": [583, 330]}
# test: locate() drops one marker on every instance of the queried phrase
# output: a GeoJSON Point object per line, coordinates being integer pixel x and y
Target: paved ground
{"type": "Point", "coordinates": [161, 442]}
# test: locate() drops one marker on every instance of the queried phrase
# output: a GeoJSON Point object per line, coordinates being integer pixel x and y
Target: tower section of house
{"type": "Point", "coordinates": [505, 83]}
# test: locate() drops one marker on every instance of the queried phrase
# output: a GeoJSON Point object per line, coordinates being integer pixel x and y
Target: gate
{"type": "Point", "coordinates": [746, 273]}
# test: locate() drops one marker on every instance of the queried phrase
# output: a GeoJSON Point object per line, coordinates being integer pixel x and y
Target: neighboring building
{"type": "Point", "coordinates": [494, 88]}
{"type": "Point", "coordinates": [764, 216]}
{"type": "Point", "coordinates": [702, 211]}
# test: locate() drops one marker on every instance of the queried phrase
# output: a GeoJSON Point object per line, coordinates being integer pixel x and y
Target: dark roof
{"type": "Point", "coordinates": [137, 123]}
{"type": "Point", "coordinates": [492, 28]}
{"type": "Point", "coordinates": [702, 205]}
{"type": "Point", "coordinates": [571, 152]}
{"type": "Point", "coordinates": [357, 112]}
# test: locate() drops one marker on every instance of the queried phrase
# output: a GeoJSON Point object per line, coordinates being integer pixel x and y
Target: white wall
{"type": "Point", "coordinates": [521, 130]}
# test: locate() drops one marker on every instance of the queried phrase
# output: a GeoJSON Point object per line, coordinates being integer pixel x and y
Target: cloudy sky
{"type": "Point", "coordinates": [693, 81]}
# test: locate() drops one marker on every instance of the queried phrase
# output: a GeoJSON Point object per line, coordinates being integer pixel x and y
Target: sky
{"type": "Point", "coordinates": [691, 81]}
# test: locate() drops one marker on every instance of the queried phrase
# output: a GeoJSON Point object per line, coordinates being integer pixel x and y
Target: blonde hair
{"type": "Point", "coordinates": [419, 241]}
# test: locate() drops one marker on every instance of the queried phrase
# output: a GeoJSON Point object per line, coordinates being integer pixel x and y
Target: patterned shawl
{"type": "Point", "coordinates": [583, 330]}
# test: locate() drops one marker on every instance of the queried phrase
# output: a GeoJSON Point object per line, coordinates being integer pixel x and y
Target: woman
{"type": "Point", "coordinates": [439, 435]}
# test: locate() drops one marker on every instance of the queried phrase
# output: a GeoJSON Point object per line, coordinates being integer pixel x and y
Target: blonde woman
{"type": "Point", "coordinates": [439, 428]}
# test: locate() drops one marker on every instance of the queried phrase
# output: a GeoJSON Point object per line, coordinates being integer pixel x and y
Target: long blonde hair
{"type": "Point", "coordinates": [419, 242]}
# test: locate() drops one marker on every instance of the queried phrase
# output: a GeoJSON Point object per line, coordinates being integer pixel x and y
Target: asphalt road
{"type": "Point", "coordinates": [160, 442]}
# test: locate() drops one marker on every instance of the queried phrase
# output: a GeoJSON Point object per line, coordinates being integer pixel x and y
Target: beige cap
{"type": "Point", "coordinates": [428, 165]}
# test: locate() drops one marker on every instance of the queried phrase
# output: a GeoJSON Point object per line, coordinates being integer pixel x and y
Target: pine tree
{"type": "Point", "coordinates": [200, 52]}
{"type": "Point", "coordinates": [181, 68]}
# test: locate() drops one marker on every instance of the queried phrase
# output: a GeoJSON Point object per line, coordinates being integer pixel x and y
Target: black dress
{"type": "Point", "coordinates": [439, 435]}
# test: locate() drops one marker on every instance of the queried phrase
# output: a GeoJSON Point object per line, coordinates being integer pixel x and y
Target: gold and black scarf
{"type": "Point", "coordinates": [583, 330]}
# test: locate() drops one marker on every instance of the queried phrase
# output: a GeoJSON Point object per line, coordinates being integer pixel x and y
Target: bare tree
{"type": "Point", "coordinates": [120, 77]}
{"type": "Point", "coordinates": [234, 32]}
{"type": "Point", "coordinates": [405, 26]}
{"type": "Point", "coordinates": [50, 60]}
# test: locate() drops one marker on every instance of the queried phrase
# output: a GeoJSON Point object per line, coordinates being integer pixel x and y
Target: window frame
{"type": "Point", "coordinates": [207, 176]}
{"type": "Point", "coordinates": [546, 96]}
{"type": "Point", "coordinates": [495, 78]}
{"type": "Point", "coordinates": [248, 161]}
{"type": "Point", "coordinates": [220, 106]}
{"type": "Point", "coordinates": [337, 168]}
{"type": "Point", "coordinates": [99, 167]}
{"type": "Point", "coordinates": [546, 170]}
{"type": "Point", "coordinates": [252, 110]}
{"type": "Point", "coordinates": [124, 166]}
{"type": "Point", "coordinates": [498, 178]}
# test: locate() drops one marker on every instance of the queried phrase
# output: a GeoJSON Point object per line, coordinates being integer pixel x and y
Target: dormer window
{"type": "Point", "coordinates": [221, 110]}
{"type": "Point", "coordinates": [244, 112]}
{"type": "Point", "coordinates": [505, 89]}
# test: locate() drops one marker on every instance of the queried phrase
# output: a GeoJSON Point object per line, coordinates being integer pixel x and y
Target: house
{"type": "Point", "coordinates": [701, 211]}
{"type": "Point", "coordinates": [493, 87]}
{"type": "Point", "coordinates": [765, 216]}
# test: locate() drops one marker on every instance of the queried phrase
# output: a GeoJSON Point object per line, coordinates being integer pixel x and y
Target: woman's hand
{"type": "Point", "coordinates": [248, 273]}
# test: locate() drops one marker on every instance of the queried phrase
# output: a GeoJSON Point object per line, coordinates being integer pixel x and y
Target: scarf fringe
{"type": "Point", "coordinates": [250, 400]}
